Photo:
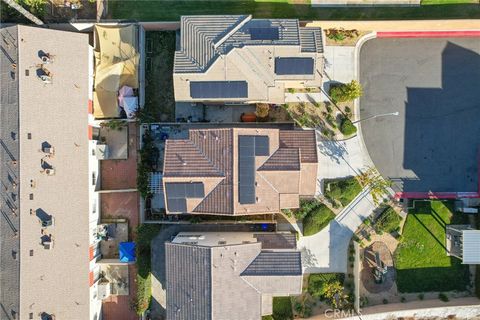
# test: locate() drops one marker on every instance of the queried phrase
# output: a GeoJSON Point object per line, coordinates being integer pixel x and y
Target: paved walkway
{"type": "Point", "coordinates": [401, 25]}
{"type": "Point", "coordinates": [327, 250]}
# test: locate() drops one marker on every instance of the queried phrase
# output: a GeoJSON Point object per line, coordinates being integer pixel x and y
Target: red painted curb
{"type": "Point", "coordinates": [436, 195]}
{"type": "Point", "coordinates": [428, 34]}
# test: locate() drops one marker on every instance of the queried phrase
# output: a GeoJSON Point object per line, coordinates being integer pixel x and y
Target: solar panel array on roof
{"type": "Point", "coordinates": [218, 89]}
{"type": "Point", "coordinates": [268, 33]}
{"type": "Point", "coordinates": [294, 66]}
{"type": "Point", "coordinates": [177, 194]}
{"type": "Point", "coordinates": [248, 148]}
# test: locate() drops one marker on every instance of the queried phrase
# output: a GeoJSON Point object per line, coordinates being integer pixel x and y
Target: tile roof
{"type": "Point", "coordinates": [303, 139]}
{"type": "Point", "coordinates": [210, 153]}
{"type": "Point", "coordinates": [188, 274]}
{"type": "Point", "coordinates": [311, 40]}
{"type": "Point", "coordinates": [185, 159]}
{"type": "Point", "coordinates": [204, 38]}
{"type": "Point", "coordinates": [269, 263]}
{"type": "Point", "coordinates": [209, 283]}
{"type": "Point", "coordinates": [277, 240]}
{"type": "Point", "coordinates": [283, 160]}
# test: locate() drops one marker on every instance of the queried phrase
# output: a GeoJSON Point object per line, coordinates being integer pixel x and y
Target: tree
{"type": "Point", "coordinates": [346, 91]}
{"type": "Point", "coordinates": [347, 128]}
{"type": "Point", "coordinates": [334, 292]}
{"type": "Point", "coordinates": [372, 179]}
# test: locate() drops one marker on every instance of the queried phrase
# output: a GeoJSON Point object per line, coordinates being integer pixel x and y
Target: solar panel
{"type": "Point", "coordinates": [248, 148]}
{"type": "Point", "coordinates": [218, 89]}
{"type": "Point", "coordinates": [177, 205]}
{"type": "Point", "coordinates": [294, 66]}
{"type": "Point", "coordinates": [178, 192]}
{"type": "Point", "coordinates": [269, 33]}
{"type": "Point", "coordinates": [261, 146]}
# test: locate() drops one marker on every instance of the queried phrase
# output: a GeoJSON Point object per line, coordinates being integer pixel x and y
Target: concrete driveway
{"type": "Point", "coordinates": [337, 159]}
{"type": "Point", "coordinates": [327, 250]}
{"type": "Point", "coordinates": [433, 145]}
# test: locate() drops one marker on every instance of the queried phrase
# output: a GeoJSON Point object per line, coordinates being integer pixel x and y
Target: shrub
{"type": "Point", "coordinates": [385, 301]}
{"type": "Point", "coordinates": [348, 110]}
{"type": "Point", "coordinates": [388, 221]}
{"type": "Point", "coordinates": [343, 190]}
{"type": "Point", "coordinates": [317, 219]}
{"type": "Point", "coordinates": [262, 110]}
{"type": "Point", "coordinates": [306, 205]}
{"type": "Point", "coordinates": [287, 212]}
{"type": "Point", "coordinates": [341, 34]}
{"type": "Point", "coordinates": [347, 127]}
{"type": "Point", "coordinates": [282, 308]}
{"type": "Point", "coordinates": [317, 282]}
{"type": "Point", "coordinates": [402, 299]}
{"type": "Point", "coordinates": [442, 296]}
{"type": "Point", "coordinates": [421, 296]}
{"type": "Point", "coordinates": [329, 109]}
{"type": "Point", "coordinates": [345, 91]}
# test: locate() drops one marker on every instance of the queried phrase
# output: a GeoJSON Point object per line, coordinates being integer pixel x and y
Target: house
{"type": "Point", "coordinates": [239, 171]}
{"type": "Point", "coordinates": [49, 171]}
{"type": "Point", "coordinates": [229, 275]}
{"type": "Point", "coordinates": [463, 242]}
{"type": "Point", "coordinates": [237, 59]}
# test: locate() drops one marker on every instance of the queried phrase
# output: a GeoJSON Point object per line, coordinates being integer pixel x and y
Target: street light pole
{"type": "Point", "coordinates": [378, 115]}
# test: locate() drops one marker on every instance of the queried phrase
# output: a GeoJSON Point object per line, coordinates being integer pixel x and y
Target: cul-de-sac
{"type": "Point", "coordinates": [240, 159]}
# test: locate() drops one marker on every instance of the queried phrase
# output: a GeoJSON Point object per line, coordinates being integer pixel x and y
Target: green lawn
{"type": "Point", "coordinates": [439, 2]}
{"type": "Point", "coordinates": [145, 234]}
{"type": "Point", "coordinates": [317, 281]}
{"type": "Point", "coordinates": [342, 190]}
{"type": "Point", "coordinates": [163, 10]}
{"type": "Point", "coordinates": [282, 308]}
{"type": "Point", "coordinates": [421, 261]}
{"type": "Point", "coordinates": [317, 219]}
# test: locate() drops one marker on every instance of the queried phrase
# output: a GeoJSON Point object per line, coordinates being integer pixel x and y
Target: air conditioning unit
{"type": "Point", "coordinates": [46, 59]}
{"type": "Point", "coordinates": [49, 172]}
{"type": "Point", "coordinates": [48, 245]}
{"type": "Point", "coordinates": [104, 289]}
{"type": "Point", "coordinates": [46, 79]}
{"type": "Point", "coordinates": [49, 150]}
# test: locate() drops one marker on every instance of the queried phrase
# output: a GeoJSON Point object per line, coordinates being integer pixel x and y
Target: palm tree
{"type": "Point", "coordinates": [378, 186]}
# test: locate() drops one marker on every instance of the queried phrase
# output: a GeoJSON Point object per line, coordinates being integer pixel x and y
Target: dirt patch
{"type": "Point", "coordinates": [323, 115]}
{"type": "Point", "coordinates": [369, 265]}
{"type": "Point", "coordinates": [347, 42]}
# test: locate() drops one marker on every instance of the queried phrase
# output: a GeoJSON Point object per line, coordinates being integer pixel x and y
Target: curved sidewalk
{"type": "Point", "coordinates": [327, 250]}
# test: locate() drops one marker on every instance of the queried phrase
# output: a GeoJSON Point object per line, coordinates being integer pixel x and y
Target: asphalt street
{"type": "Point", "coordinates": [434, 84]}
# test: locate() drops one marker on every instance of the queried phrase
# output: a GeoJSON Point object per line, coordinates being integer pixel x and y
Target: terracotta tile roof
{"type": "Point", "coordinates": [210, 153]}
{"type": "Point", "coordinates": [184, 159]}
{"type": "Point", "coordinates": [304, 140]}
{"type": "Point", "coordinates": [277, 240]}
{"type": "Point", "coordinates": [283, 159]}
{"type": "Point", "coordinates": [207, 153]}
